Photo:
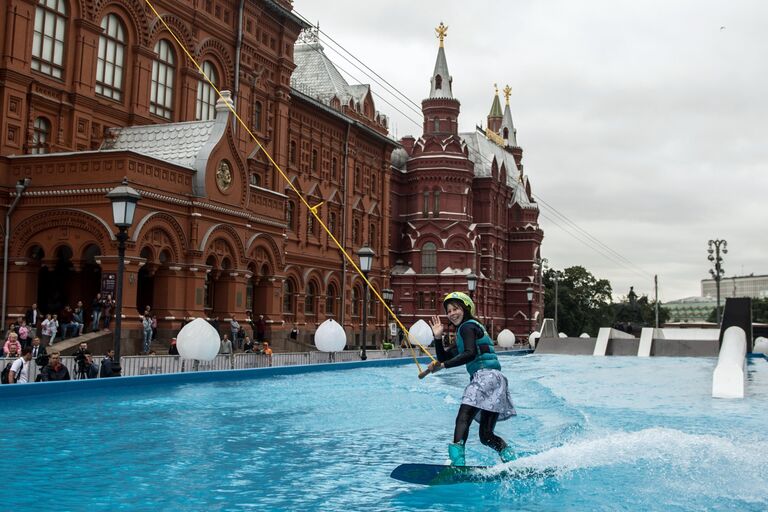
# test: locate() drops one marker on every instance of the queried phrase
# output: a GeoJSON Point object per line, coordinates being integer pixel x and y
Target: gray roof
{"type": "Point", "coordinates": [482, 153]}
{"type": "Point", "coordinates": [506, 122]}
{"type": "Point", "coordinates": [177, 143]}
{"type": "Point", "coordinates": [441, 68]}
{"type": "Point", "coordinates": [316, 76]}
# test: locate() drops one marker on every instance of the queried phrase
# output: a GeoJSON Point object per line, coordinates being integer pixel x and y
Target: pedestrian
{"type": "Point", "coordinates": [33, 317]}
{"type": "Point", "coordinates": [234, 328]}
{"type": "Point", "coordinates": [487, 394]}
{"type": "Point", "coordinates": [260, 329]}
{"type": "Point", "coordinates": [226, 346]}
{"type": "Point", "coordinates": [108, 365]}
{"type": "Point", "coordinates": [146, 323]}
{"type": "Point", "coordinates": [19, 373]}
{"type": "Point", "coordinates": [54, 370]}
{"type": "Point", "coordinates": [173, 350]}
{"type": "Point", "coordinates": [96, 307]}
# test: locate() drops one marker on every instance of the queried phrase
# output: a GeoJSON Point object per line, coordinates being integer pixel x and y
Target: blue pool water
{"type": "Point", "coordinates": [624, 433]}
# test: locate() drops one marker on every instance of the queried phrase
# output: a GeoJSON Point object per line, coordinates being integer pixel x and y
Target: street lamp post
{"type": "Point", "coordinates": [124, 199]}
{"type": "Point", "coordinates": [471, 284]}
{"type": "Point", "coordinates": [529, 293]}
{"type": "Point", "coordinates": [715, 248]}
{"type": "Point", "coordinates": [366, 255]}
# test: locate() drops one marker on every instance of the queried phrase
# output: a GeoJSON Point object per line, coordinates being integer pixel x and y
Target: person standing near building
{"type": "Point", "coordinates": [487, 394]}
{"type": "Point", "coordinates": [54, 370]}
{"type": "Point", "coordinates": [260, 329]}
{"type": "Point", "coordinates": [108, 365]}
{"type": "Point", "coordinates": [19, 373]}
{"type": "Point", "coordinates": [146, 323]}
{"type": "Point", "coordinates": [96, 307]}
{"type": "Point", "coordinates": [234, 329]}
{"type": "Point", "coordinates": [109, 310]}
{"type": "Point", "coordinates": [34, 318]}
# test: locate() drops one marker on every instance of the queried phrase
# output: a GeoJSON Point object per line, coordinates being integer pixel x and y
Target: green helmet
{"type": "Point", "coordinates": [463, 298]}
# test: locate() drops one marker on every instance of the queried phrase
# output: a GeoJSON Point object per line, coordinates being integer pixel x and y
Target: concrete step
{"type": "Point", "coordinates": [69, 345]}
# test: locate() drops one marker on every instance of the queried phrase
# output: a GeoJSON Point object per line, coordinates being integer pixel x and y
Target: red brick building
{"type": "Point", "coordinates": [462, 204]}
{"type": "Point", "coordinates": [91, 92]}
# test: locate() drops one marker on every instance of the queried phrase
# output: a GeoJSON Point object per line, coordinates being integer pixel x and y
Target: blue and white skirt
{"type": "Point", "coordinates": [489, 391]}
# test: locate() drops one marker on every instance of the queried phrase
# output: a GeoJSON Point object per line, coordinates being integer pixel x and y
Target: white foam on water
{"type": "Point", "coordinates": [701, 464]}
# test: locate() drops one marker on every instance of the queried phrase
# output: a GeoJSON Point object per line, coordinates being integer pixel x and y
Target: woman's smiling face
{"type": "Point", "coordinates": [455, 313]}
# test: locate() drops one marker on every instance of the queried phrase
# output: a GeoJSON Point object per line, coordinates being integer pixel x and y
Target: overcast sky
{"type": "Point", "coordinates": [644, 123]}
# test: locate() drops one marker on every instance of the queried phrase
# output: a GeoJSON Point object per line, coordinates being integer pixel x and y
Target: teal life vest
{"type": "Point", "coordinates": [486, 356]}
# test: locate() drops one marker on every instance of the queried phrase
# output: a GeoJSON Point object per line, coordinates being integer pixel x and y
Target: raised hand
{"type": "Point", "coordinates": [437, 327]}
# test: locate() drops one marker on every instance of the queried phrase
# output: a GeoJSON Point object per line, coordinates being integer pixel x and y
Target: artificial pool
{"type": "Point", "coordinates": [626, 433]}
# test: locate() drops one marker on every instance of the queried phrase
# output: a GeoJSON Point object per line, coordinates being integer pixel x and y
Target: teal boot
{"type": "Point", "coordinates": [507, 454]}
{"type": "Point", "coordinates": [456, 453]}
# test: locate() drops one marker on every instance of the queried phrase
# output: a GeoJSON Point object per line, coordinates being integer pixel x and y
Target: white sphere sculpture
{"type": "Point", "coordinates": [562, 335]}
{"type": "Point", "coordinates": [198, 340]}
{"type": "Point", "coordinates": [761, 345]}
{"type": "Point", "coordinates": [584, 335]}
{"type": "Point", "coordinates": [533, 338]}
{"type": "Point", "coordinates": [421, 333]}
{"type": "Point", "coordinates": [330, 337]}
{"type": "Point", "coordinates": [506, 339]}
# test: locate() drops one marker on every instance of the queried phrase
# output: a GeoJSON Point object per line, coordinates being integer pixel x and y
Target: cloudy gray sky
{"type": "Point", "coordinates": [644, 123]}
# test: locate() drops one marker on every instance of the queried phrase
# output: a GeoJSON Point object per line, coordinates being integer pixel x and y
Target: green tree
{"type": "Point", "coordinates": [640, 313]}
{"type": "Point", "coordinates": [584, 302]}
{"type": "Point", "coordinates": [759, 311]}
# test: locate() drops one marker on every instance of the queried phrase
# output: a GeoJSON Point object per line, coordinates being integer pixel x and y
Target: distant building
{"type": "Point", "coordinates": [462, 204]}
{"type": "Point", "coordinates": [752, 286]}
{"type": "Point", "coordinates": [690, 309]}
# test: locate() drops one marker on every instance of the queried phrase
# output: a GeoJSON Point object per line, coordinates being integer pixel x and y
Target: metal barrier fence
{"type": "Point", "coordinates": [150, 365]}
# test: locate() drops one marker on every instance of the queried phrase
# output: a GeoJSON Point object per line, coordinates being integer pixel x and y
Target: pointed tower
{"type": "Point", "coordinates": [441, 109]}
{"type": "Point", "coordinates": [508, 132]}
{"type": "Point", "coordinates": [495, 116]}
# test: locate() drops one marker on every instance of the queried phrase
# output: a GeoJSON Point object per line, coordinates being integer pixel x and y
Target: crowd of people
{"type": "Point", "coordinates": [51, 366]}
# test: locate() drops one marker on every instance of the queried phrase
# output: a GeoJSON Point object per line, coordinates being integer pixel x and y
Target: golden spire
{"type": "Point", "coordinates": [441, 32]}
{"type": "Point", "coordinates": [507, 92]}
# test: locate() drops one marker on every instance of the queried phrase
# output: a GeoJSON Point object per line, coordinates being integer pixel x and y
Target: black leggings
{"type": "Point", "coordinates": [487, 423]}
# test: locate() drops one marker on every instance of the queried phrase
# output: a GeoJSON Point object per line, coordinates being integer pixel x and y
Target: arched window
{"type": "Point", "coordinates": [40, 136]}
{"type": "Point", "coordinates": [206, 95]}
{"type": "Point", "coordinates": [163, 71]}
{"type": "Point", "coordinates": [436, 211]}
{"type": "Point", "coordinates": [437, 124]}
{"type": "Point", "coordinates": [425, 210]}
{"type": "Point", "coordinates": [257, 116]}
{"type": "Point", "coordinates": [372, 240]}
{"type": "Point", "coordinates": [356, 232]}
{"type": "Point", "coordinates": [358, 177]}
{"type": "Point", "coordinates": [429, 258]}
{"type": "Point", "coordinates": [438, 82]}
{"type": "Point", "coordinates": [314, 160]}
{"type": "Point", "coordinates": [334, 169]}
{"type": "Point", "coordinates": [311, 225]}
{"type": "Point", "coordinates": [288, 292]}
{"type": "Point", "coordinates": [290, 218]}
{"type": "Point", "coordinates": [373, 183]}
{"type": "Point", "coordinates": [506, 133]}
{"type": "Point", "coordinates": [256, 179]}
{"type": "Point", "coordinates": [356, 301]}
{"type": "Point", "coordinates": [330, 300]}
{"type": "Point", "coordinates": [332, 223]}
{"type": "Point", "coordinates": [292, 154]}
{"type": "Point", "coordinates": [309, 299]}
{"type": "Point", "coordinates": [48, 39]}
{"type": "Point", "coordinates": [111, 61]}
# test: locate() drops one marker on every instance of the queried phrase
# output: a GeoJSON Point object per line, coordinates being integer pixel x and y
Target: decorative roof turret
{"type": "Point", "coordinates": [495, 116]}
{"type": "Point", "coordinates": [441, 79]}
{"type": "Point", "coordinates": [508, 131]}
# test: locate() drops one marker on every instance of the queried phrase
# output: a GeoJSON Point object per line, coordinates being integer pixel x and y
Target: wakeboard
{"type": "Point", "coordinates": [437, 474]}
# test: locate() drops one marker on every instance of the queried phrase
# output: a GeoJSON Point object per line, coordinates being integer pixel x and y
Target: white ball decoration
{"type": "Point", "coordinates": [584, 335]}
{"type": "Point", "coordinates": [198, 340]}
{"type": "Point", "coordinates": [562, 335]}
{"type": "Point", "coordinates": [761, 345]}
{"type": "Point", "coordinates": [506, 339]}
{"type": "Point", "coordinates": [421, 333]}
{"type": "Point", "coordinates": [533, 338]}
{"type": "Point", "coordinates": [330, 337]}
